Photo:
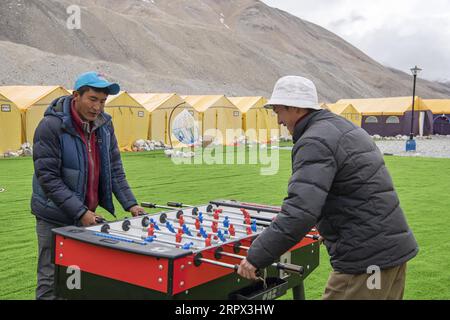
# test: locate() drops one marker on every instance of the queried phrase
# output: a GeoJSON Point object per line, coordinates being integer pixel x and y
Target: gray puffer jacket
{"type": "Point", "coordinates": [341, 185]}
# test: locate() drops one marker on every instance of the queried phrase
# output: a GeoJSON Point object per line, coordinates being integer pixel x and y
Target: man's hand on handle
{"type": "Point", "coordinates": [90, 218]}
{"type": "Point", "coordinates": [137, 211]}
{"type": "Point", "coordinates": [247, 270]}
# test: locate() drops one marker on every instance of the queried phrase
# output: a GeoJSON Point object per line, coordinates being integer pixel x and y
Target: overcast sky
{"type": "Point", "coordinates": [396, 33]}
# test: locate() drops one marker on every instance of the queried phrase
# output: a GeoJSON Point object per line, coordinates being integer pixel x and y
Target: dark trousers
{"type": "Point", "coordinates": [45, 267]}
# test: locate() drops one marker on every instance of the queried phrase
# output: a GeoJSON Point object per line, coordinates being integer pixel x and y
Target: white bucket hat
{"type": "Point", "coordinates": [294, 91]}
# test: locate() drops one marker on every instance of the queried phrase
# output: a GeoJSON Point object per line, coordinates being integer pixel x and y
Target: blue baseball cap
{"type": "Point", "coordinates": [96, 80]}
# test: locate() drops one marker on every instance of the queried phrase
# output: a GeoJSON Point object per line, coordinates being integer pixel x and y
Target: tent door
{"type": "Point", "coordinates": [421, 122]}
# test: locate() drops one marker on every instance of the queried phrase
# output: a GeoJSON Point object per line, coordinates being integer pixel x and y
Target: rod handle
{"type": "Point", "coordinates": [290, 267]}
{"type": "Point", "coordinates": [175, 204]}
{"type": "Point", "coordinates": [148, 205]}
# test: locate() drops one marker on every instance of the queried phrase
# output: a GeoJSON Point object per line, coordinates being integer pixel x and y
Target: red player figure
{"type": "Point", "coordinates": [246, 213]}
{"type": "Point", "coordinates": [197, 224]}
{"type": "Point", "coordinates": [231, 230]}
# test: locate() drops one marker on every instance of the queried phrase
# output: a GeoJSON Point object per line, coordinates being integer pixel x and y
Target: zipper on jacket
{"type": "Point", "coordinates": [91, 161]}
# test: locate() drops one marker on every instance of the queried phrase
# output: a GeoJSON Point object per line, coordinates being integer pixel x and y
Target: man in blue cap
{"type": "Point", "coordinates": [77, 167]}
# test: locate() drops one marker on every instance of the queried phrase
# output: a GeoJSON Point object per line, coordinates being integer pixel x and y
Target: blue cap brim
{"type": "Point", "coordinates": [113, 88]}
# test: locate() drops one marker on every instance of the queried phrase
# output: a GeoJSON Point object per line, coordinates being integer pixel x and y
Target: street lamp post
{"type": "Point", "coordinates": [411, 143]}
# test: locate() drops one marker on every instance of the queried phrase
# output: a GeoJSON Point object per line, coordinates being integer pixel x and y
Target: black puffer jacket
{"type": "Point", "coordinates": [339, 183]}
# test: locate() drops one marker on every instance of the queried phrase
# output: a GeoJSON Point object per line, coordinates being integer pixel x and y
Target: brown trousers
{"type": "Point", "coordinates": [389, 284]}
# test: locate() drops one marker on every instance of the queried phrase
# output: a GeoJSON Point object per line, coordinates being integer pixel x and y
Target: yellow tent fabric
{"type": "Point", "coordinates": [160, 107]}
{"type": "Point", "coordinates": [130, 119]}
{"type": "Point", "coordinates": [217, 113]}
{"type": "Point", "coordinates": [10, 126]}
{"type": "Point", "coordinates": [33, 101]}
{"type": "Point", "coordinates": [437, 106]}
{"type": "Point", "coordinates": [395, 106]}
{"type": "Point", "coordinates": [348, 111]}
{"type": "Point", "coordinates": [273, 122]}
{"type": "Point", "coordinates": [257, 121]}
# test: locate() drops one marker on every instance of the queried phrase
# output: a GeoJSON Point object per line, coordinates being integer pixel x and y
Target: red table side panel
{"type": "Point", "coordinates": [186, 275]}
{"type": "Point", "coordinates": [128, 267]}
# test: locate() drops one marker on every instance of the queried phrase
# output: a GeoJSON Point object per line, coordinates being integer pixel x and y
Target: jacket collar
{"type": "Point", "coordinates": [85, 126]}
{"type": "Point", "coordinates": [60, 108]}
{"type": "Point", "coordinates": [304, 123]}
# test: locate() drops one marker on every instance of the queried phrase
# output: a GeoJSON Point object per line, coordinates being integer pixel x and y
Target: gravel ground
{"type": "Point", "coordinates": [433, 146]}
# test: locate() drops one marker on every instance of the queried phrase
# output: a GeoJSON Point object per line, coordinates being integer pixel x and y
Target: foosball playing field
{"type": "Point", "coordinates": [208, 251]}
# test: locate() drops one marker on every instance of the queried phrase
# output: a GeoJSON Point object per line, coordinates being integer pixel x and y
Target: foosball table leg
{"type": "Point", "coordinates": [298, 292]}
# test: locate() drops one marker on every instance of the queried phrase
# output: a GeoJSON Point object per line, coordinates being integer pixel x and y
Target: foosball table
{"type": "Point", "coordinates": [183, 252]}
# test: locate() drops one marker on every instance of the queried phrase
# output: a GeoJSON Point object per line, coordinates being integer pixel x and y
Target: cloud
{"type": "Point", "coordinates": [397, 33]}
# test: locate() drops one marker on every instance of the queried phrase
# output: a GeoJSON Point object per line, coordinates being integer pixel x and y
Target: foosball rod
{"type": "Point", "coordinates": [183, 235]}
{"type": "Point", "coordinates": [218, 221]}
{"type": "Point", "coordinates": [239, 217]}
{"type": "Point", "coordinates": [126, 225]}
{"type": "Point", "coordinates": [210, 207]}
{"type": "Point", "coordinates": [264, 222]}
{"type": "Point", "coordinates": [107, 229]}
{"type": "Point", "coordinates": [207, 242]}
{"type": "Point", "coordinates": [235, 267]}
{"type": "Point", "coordinates": [154, 206]}
{"type": "Point", "coordinates": [206, 234]}
{"type": "Point", "coordinates": [256, 207]}
{"type": "Point", "coordinates": [281, 266]}
{"type": "Point", "coordinates": [309, 236]}
{"type": "Point", "coordinates": [163, 219]}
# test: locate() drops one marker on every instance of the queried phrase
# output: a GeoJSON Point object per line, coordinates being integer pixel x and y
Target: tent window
{"type": "Point", "coordinates": [393, 119]}
{"type": "Point", "coordinates": [140, 114]}
{"type": "Point", "coordinates": [236, 113]}
{"type": "Point", "coordinates": [6, 108]}
{"type": "Point", "coordinates": [371, 119]}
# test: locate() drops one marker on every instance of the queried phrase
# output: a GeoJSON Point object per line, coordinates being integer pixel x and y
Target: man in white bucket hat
{"type": "Point", "coordinates": [339, 184]}
{"type": "Point", "coordinates": [293, 98]}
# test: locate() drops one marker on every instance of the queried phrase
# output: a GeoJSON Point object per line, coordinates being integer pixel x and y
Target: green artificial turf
{"type": "Point", "coordinates": [423, 185]}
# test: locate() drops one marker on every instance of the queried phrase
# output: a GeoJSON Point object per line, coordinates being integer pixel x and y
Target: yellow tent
{"type": "Point", "coordinates": [217, 114]}
{"type": "Point", "coordinates": [10, 125]}
{"type": "Point", "coordinates": [129, 117]}
{"type": "Point", "coordinates": [437, 106]}
{"type": "Point", "coordinates": [257, 121]}
{"type": "Point", "coordinates": [160, 106]}
{"type": "Point", "coordinates": [395, 106]}
{"type": "Point", "coordinates": [33, 101]}
{"type": "Point", "coordinates": [348, 111]}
